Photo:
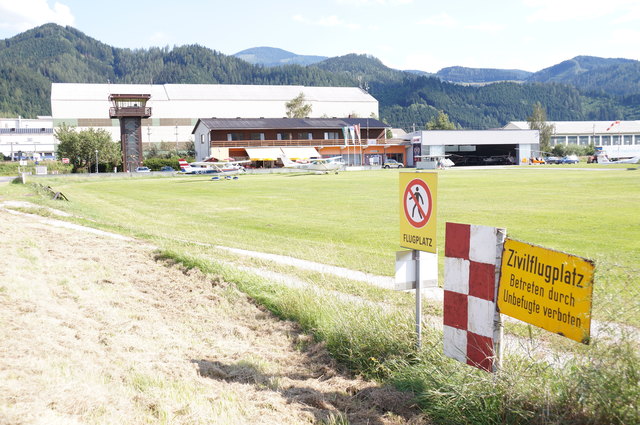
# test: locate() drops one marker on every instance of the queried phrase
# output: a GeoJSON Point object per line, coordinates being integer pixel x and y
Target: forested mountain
{"type": "Point", "coordinates": [459, 74]}
{"type": "Point", "coordinates": [30, 61]}
{"type": "Point", "coordinates": [612, 76]}
{"type": "Point", "coordinates": [271, 56]}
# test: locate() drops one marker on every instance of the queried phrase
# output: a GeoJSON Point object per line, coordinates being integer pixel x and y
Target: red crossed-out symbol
{"type": "Point", "coordinates": [417, 203]}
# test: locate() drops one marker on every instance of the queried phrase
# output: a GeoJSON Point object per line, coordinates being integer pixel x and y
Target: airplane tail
{"type": "Point", "coordinates": [603, 159]}
{"type": "Point", "coordinates": [286, 161]}
{"type": "Point", "coordinates": [184, 165]}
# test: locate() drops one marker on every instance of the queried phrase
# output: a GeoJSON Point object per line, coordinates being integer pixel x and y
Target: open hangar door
{"type": "Point", "coordinates": [467, 155]}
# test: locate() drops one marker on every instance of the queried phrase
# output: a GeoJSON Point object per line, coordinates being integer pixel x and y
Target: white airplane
{"type": "Point", "coordinates": [434, 161]}
{"type": "Point", "coordinates": [320, 166]}
{"type": "Point", "coordinates": [212, 167]}
{"type": "Point", "coordinates": [604, 159]}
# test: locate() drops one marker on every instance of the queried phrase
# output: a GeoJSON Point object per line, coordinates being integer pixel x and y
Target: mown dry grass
{"type": "Point", "coordinates": [96, 330]}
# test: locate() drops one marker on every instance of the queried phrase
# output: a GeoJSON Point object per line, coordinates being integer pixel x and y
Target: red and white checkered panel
{"type": "Point", "coordinates": [471, 322]}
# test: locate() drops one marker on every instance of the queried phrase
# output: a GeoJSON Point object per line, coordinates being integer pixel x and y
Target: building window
{"type": "Point", "coordinates": [606, 140]}
{"type": "Point", "coordinates": [584, 140]}
{"type": "Point", "coordinates": [637, 137]}
{"type": "Point", "coordinates": [234, 136]}
{"type": "Point", "coordinates": [303, 136]}
{"type": "Point", "coordinates": [595, 140]}
{"type": "Point", "coordinates": [616, 140]}
{"type": "Point", "coordinates": [283, 136]}
{"type": "Point", "coordinates": [332, 135]}
{"type": "Point", "coordinates": [572, 140]}
{"type": "Point", "coordinates": [557, 140]}
{"type": "Point", "coordinates": [628, 140]}
{"type": "Point", "coordinates": [257, 136]}
{"type": "Point", "coordinates": [202, 139]}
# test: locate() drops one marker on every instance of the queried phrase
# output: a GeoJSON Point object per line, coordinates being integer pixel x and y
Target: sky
{"type": "Point", "coordinates": [421, 35]}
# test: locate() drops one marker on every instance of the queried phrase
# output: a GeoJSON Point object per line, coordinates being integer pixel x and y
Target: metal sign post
{"type": "Point", "coordinates": [416, 256]}
{"type": "Point", "coordinates": [418, 226]}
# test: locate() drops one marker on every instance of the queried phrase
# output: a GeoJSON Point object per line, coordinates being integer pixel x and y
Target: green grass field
{"type": "Point", "coordinates": [351, 220]}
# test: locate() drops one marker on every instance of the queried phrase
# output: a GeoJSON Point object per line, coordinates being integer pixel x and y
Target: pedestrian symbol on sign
{"type": "Point", "coordinates": [417, 203]}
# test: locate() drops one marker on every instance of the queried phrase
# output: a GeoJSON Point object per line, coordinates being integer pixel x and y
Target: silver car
{"type": "Point", "coordinates": [392, 163]}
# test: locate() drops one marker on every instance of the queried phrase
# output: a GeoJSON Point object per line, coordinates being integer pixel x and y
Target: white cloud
{"type": "Point", "coordinates": [159, 38]}
{"type": "Point", "coordinates": [441, 20]}
{"type": "Point", "coordinates": [419, 61]}
{"type": "Point", "coordinates": [633, 14]}
{"type": "Point", "coordinates": [25, 14]}
{"type": "Point", "coordinates": [577, 10]}
{"type": "Point", "coordinates": [486, 27]}
{"type": "Point", "coordinates": [328, 21]}
{"type": "Point", "coordinates": [624, 43]}
{"type": "Point", "coordinates": [365, 2]}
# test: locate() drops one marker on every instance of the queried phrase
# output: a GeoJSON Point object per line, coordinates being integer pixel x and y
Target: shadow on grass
{"type": "Point", "coordinates": [361, 404]}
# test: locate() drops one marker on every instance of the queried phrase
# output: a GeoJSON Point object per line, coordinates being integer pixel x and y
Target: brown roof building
{"type": "Point", "coordinates": [360, 141]}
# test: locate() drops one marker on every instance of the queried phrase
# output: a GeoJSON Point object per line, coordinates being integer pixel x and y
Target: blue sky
{"type": "Point", "coordinates": [404, 34]}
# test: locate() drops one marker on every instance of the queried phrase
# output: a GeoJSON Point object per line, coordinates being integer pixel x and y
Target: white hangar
{"type": "Point", "coordinates": [477, 147]}
{"type": "Point", "coordinates": [175, 108]}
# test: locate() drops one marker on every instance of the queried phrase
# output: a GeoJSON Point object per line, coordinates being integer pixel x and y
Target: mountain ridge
{"type": "Point", "coordinates": [273, 56]}
{"type": "Point", "coordinates": [31, 61]}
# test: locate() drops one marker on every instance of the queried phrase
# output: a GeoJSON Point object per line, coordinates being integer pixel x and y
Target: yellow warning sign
{"type": "Point", "coordinates": [547, 288]}
{"type": "Point", "coordinates": [418, 211]}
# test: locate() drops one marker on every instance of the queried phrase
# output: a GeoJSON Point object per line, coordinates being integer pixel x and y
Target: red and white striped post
{"type": "Point", "coordinates": [472, 326]}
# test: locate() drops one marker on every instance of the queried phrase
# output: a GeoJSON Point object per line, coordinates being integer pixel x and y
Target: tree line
{"type": "Point", "coordinates": [31, 61]}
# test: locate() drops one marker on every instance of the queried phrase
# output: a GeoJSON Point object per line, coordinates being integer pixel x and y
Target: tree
{"type": "Point", "coordinates": [440, 122]}
{"type": "Point", "coordinates": [538, 121]}
{"type": "Point", "coordinates": [80, 147]}
{"type": "Point", "coordinates": [297, 108]}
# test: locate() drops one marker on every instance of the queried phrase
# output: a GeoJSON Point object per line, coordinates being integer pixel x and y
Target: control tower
{"type": "Point", "coordinates": [130, 109]}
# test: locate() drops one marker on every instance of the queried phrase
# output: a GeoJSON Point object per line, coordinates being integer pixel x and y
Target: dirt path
{"type": "Point", "coordinates": [94, 330]}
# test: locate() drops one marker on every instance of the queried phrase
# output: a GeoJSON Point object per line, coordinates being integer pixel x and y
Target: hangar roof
{"type": "Point", "coordinates": [176, 101]}
{"type": "Point", "coordinates": [71, 91]}
{"type": "Point", "coordinates": [196, 100]}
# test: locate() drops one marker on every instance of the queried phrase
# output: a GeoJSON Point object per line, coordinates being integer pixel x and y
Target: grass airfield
{"type": "Point", "coordinates": [351, 220]}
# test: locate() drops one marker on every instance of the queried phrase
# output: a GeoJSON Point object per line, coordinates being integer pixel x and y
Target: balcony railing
{"type": "Point", "coordinates": [144, 112]}
{"type": "Point", "coordinates": [282, 143]}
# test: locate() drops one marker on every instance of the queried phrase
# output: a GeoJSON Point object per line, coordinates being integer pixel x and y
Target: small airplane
{"type": "Point", "coordinates": [319, 166]}
{"type": "Point", "coordinates": [212, 167]}
{"type": "Point", "coordinates": [604, 159]}
{"type": "Point", "coordinates": [434, 161]}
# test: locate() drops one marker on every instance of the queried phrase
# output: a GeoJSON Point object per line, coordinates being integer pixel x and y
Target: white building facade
{"type": "Point", "coordinates": [175, 108]}
{"type": "Point", "coordinates": [27, 138]}
{"type": "Point", "coordinates": [618, 139]}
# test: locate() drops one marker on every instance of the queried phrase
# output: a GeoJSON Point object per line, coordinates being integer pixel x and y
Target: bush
{"type": "Point", "coordinates": [10, 168]}
{"type": "Point", "coordinates": [563, 150]}
{"type": "Point", "coordinates": [157, 163]}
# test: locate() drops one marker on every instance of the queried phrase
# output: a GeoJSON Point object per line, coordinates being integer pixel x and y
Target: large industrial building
{"type": "Point", "coordinates": [137, 114]}
{"type": "Point", "coordinates": [175, 108]}
{"type": "Point", "coordinates": [618, 139]}
{"type": "Point", "coordinates": [27, 138]}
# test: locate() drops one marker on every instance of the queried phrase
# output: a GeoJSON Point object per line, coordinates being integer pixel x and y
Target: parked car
{"type": "Point", "coordinates": [392, 163]}
{"type": "Point", "coordinates": [167, 168]}
{"type": "Point", "coordinates": [552, 160]}
{"type": "Point", "coordinates": [143, 170]}
{"type": "Point", "coordinates": [569, 159]}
